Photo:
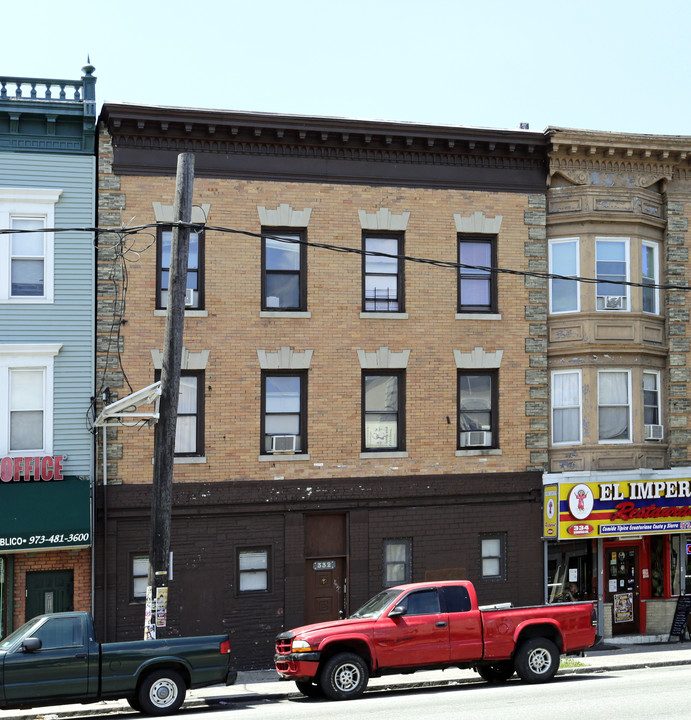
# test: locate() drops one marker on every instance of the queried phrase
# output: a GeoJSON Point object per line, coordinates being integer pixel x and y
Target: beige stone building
{"type": "Point", "coordinates": [617, 350]}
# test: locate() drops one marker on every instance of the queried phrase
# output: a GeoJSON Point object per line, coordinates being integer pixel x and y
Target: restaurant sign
{"type": "Point", "coordinates": [603, 509]}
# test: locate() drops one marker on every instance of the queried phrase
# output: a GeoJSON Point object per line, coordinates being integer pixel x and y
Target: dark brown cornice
{"type": "Point", "coordinates": [147, 140]}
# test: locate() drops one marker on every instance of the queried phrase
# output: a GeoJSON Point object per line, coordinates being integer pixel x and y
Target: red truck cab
{"type": "Point", "coordinates": [427, 626]}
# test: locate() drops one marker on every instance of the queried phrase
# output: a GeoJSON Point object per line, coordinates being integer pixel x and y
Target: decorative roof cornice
{"type": "Point", "coordinates": [46, 115]}
{"type": "Point", "coordinates": [588, 157]}
{"type": "Point", "coordinates": [146, 140]}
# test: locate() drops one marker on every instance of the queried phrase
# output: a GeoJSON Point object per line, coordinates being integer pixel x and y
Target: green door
{"type": "Point", "coordinates": [49, 591]}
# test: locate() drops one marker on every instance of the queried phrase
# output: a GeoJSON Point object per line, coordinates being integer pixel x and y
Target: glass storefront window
{"type": "Point", "coordinates": [657, 566]}
{"type": "Point", "coordinates": [674, 564]}
{"type": "Point", "coordinates": [570, 571]}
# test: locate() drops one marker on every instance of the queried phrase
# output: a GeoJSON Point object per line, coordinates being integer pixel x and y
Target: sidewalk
{"type": "Point", "coordinates": [609, 655]}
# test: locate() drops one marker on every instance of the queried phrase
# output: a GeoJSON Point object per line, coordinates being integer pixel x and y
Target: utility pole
{"type": "Point", "coordinates": [164, 431]}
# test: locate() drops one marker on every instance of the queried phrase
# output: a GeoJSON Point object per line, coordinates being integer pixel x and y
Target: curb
{"type": "Point", "coordinates": [198, 702]}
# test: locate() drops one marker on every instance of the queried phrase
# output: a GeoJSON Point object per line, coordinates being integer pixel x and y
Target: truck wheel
{"type": "Point", "coordinates": [344, 676]}
{"type": "Point", "coordinates": [498, 672]}
{"type": "Point", "coordinates": [134, 703]}
{"type": "Point", "coordinates": [537, 660]}
{"type": "Point", "coordinates": [161, 693]}
{"type": "Point", "coordinates": [310, 689]}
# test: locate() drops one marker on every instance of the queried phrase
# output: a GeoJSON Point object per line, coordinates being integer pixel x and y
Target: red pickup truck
{"type": "Point", "coordinates": [429, 626]}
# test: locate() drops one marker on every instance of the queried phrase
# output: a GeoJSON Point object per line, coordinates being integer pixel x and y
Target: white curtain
{"type": "Point", "coordinates": [566, 415]}
{"type": "Point", "coordinates": [614, 406]}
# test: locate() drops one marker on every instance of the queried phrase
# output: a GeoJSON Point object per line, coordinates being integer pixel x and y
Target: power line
{"type": "Point", "coordinates": [196, 227]}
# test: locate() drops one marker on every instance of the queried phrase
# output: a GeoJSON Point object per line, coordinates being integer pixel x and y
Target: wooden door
{"type": "Point", "coordinates": [49, 591]}
{"type": "Point", "coordinates": [325, 568]}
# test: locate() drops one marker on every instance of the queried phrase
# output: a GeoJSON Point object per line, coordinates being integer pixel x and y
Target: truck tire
{"type": "Point", "coordinates": [134, 703]}
{"type": "Point", "coordinates": [537, 660]}
{"type": "Point", "coordinates": [344, 677]}
{"type": "Point", "coordinates": [498, 672]}
{"type": "Point", "coordinates": [162, 692]}
{"type": "Point", "coordinates": [309, 689]}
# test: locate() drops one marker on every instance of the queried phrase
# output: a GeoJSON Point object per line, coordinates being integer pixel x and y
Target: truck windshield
{"type": "Point", "coordinates": [25, 629]}
{"type": "Point", "coordinates": [374, 607]}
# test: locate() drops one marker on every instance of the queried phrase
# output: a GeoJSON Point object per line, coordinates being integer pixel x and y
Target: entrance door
{"type": "Point", "coordinates": [49, 591]}
{"type": "Point", "coordinates": [325, 567]}
{"type": "Point", "coordinates": [622, 585]}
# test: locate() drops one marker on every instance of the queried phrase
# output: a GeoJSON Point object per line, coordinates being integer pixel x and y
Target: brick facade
{"type": "Point", "coordinates": [440, 496]}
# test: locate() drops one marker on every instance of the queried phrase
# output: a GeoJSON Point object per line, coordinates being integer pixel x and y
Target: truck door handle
{"type": "Point", "coordinates": [80, 656]}
{"type": "Point", "coordinates": [441, 623]}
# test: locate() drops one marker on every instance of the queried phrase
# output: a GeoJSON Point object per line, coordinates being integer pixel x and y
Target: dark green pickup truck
{"type": "Point", "coordinates": [55, 659]}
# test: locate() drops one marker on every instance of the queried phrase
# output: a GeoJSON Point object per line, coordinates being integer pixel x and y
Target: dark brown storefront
{"type": "Point", "coordinates": [323, 543]}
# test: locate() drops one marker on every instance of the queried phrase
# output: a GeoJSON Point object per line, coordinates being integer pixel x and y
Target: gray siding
{"type": "Point", "coordinates": [70, 319]}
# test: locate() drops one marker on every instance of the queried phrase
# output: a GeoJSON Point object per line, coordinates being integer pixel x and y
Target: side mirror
{"type": "Point", "coordinates": [31, 644]}
{"type": "Point", "coordinates": [398, 611]}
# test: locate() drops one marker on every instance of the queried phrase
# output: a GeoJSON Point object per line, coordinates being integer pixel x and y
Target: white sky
{"type": "Point", "coordinates": [619, 65]}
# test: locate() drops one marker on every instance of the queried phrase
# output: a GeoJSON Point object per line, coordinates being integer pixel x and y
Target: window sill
{"type": "Point", "coordinates": [372, 455]}
{"type": "Point", "coordinates": [188, 313]}
{"type": "Point", "coordinates": [187, 460]}
{"type": "Point", "coordinates": [384, 315]}
{"type": "Point", "coordinates": [31, 300]}
{"type": "Point", "coordinates": [284, 314]}
{"type": "Point", "coordinates": [284, 457]}
{"type": "Point", "coordinates": [478, 453]}
{"type": "Point", "coordinates": [478, 316]}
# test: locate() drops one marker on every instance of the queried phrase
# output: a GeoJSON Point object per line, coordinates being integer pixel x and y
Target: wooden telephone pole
{"type": "Point", "coordinates": [164, 432]}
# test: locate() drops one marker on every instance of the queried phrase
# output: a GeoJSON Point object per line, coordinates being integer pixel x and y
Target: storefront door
{"type": "Point", "coordinates": [48, 592]}
{"type": "Point", "coordinates": [622, 587]}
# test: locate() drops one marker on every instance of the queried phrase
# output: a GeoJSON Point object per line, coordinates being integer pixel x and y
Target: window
{"type": "Point", "coordinates": [383, 276]}
{"type": "Point", "coordinates": [564, 260]}
{"type": "Point", "coordinates": [650, 277]}
{"type": "Point", "coordinates": [189, 429]}
{"type": "Point", "coordinates": [26, 399]}
{"type": "Point", "coordinates": [60, 633]}
{"type": "Point", "coordinates": [194, 297]}
{"type": "Point", "coordinates": [422, 602]}
{"type": "Point", "coordinates": [284, 276]}
{"type": "Point", "coordinates": [492, 550]}
{"type": "Point", "coordinates": [566, 408]}
{"type": "Point", "coordinates": [477, 409]}
{"type": "Point", "coordinates": [140, 576]}
{"type": "Point", "coordinates": [397, 561]}
{"type": "Point", "coordinates": [614, 406]}
{"type": "Point", "coordinates": [26, 257]}
{"type": "Point", "coordinates": [612, 270]}
{"type": "Point", "coordinates": [383, 416]}
{"type": "Point", "coordinates": [253, 570]}
{"type": "Point", "coordinates": [651, 398]}
{"type": "Point", "coordinates": [284, 416]}
{"type": "Point", "coordinates": [476, 283]}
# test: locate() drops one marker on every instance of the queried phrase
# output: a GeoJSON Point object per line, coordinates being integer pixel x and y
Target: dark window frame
{"type": "Point", "coordinates": [501, 577]}
{"type": "Point", "coordinates": [302, 375]}
{"type": "Point", "coordinates": [401, 412]}
{"type": "Point", "coordinates": [400, 272]}
{"type": "Point", "coordinates": [132, 557]}
{"type": "Point", "coordinates": [273, 233]}
{"type": "Point", "coordinates": [494, 408]}
{"type": "Point", "coordinates": [201, 294]}
{"type": "Point", "coordinates": [408, 562]}
{"type": "Point", "coordinates": [200, 414]}
{"type": "Point", "coordinates": [269, 564]}
{"type": "Point", "coordinates": [491, 240]}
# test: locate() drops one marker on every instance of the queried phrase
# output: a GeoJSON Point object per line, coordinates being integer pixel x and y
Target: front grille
{"type": "Point", "coordinates": [283, 646]}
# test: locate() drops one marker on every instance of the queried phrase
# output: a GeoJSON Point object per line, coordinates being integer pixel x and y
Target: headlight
{"type": "Point", "coordinates": [301, 646]}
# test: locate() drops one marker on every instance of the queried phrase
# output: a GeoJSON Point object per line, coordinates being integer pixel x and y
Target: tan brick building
{"type": "Point", "coordinates": [618, 344]}
{"type": "Point", "coordinates": [348, 419]}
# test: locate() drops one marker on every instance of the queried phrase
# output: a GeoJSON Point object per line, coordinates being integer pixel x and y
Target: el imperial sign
{"type": "Point", "coordinates": [27, 469]}
{"type": "Point", "coordinates": [597, 509]}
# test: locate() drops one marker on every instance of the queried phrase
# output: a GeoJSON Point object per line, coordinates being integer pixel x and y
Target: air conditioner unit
{"type": "Point", "coordinates": [189, 297]}
{"type": "Point", "coordinates": [476, 438]}
{"type": "Point", "coordinates": [654, 432]}
{"type": "Point", "coordinates": [611, 302]}
{"type": "Point", "coordinates": [283, 443]}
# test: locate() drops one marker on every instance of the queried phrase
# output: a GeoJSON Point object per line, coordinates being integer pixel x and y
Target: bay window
{"type": "Point", "coordinates": [566, 407]}
{"type": "Point", "coordinates": [614, 406]}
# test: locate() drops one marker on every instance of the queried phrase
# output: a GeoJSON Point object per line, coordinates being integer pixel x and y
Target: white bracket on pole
{"type": "Point", "coordinates": [123, 411]}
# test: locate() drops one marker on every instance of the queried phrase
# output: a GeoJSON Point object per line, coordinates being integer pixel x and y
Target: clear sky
{"type": "Point", "coordinates": [619, 65]}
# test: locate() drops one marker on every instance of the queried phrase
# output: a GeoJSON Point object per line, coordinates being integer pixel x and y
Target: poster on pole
{"type": "Point", "coordinates": [149, 625]}
{"type": "Point", "coordinates": [161, 606]}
